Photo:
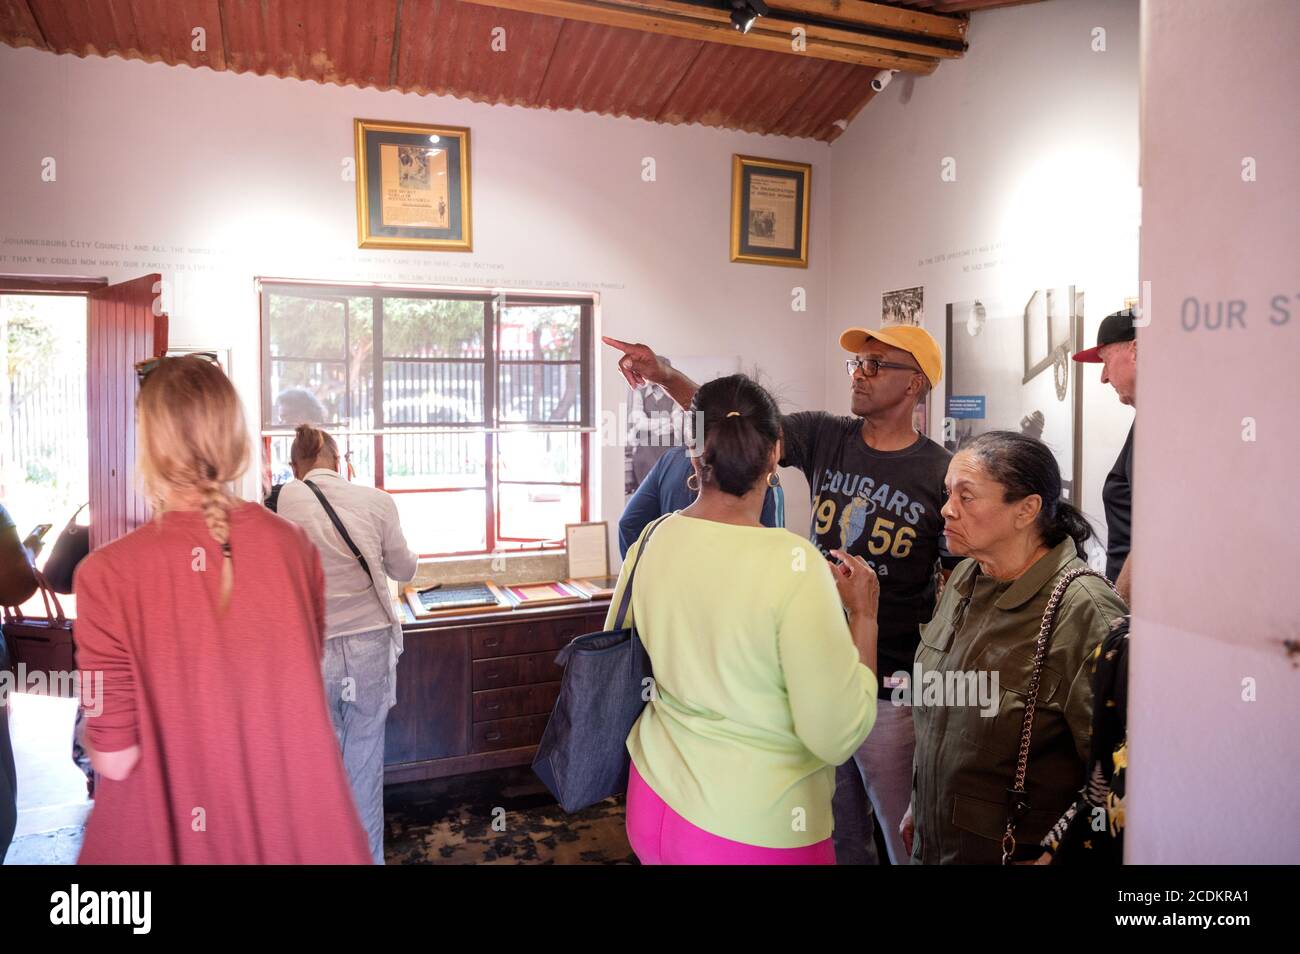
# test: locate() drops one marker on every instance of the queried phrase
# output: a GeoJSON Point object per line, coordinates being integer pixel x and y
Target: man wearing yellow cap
{"type": "Point", "coordinates": [877, 489]}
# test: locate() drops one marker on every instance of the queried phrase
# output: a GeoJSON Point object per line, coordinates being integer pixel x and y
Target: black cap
{"type": "Point", "coordinates": [1114, 327]}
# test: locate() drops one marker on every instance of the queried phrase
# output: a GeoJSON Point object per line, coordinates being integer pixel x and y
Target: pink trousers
{"type": "Point", "coordinates": [660, 836]}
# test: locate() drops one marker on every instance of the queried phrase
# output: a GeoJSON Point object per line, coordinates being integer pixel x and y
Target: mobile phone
{"type": "Point", "coordinates": [38, 534]}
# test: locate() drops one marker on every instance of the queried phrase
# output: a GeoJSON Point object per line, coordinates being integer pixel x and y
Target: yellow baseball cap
{"type": "Point", "coordinates": [916, 341]}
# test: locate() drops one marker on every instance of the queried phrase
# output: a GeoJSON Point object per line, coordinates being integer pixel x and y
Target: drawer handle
{"type": "Point", "coordinates": [492, 642]}
{"type": "Point", "coordinates": [492, 706]}
{"type": "Point", "coordinates": [492, 736]}
{"type": "Point", "coordinates": [491, 674]}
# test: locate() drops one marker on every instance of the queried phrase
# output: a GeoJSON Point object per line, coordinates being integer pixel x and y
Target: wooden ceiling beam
{"type": "Point", "coordinates": [696, 27]}
{"type": "Point", "coordinates": [775, 25]}
{"type": "Point", "coordinates": [966, 6]}
{"type": "Point", "coordinates": [877, 15]}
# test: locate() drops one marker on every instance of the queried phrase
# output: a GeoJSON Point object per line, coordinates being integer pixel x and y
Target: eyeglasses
{"type": "Point", "coordinates": [149, 365]}
{"type": "Point", "coordinates": [871, 367]}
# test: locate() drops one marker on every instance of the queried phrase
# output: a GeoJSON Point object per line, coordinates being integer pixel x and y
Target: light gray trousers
{"type": "Point", "coordinates": [356, 675]}
{"type": "Point", "coordinates": [885, 762]}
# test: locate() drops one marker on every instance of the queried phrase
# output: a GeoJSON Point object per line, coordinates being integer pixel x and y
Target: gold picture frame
{"type": "Point", "coordinates": [413, 186]}
{"type": "Point", "coordinates": [769, 211]}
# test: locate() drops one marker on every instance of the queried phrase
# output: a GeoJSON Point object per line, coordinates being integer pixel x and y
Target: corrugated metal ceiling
{"type": "Point", "coordinates": [444, 47]}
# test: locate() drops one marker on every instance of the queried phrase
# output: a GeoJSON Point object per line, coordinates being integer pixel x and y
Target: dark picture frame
{"type": "Point", "coordinates": [769, 211]}
{"type": "Point", "coordinates": [413, 186]}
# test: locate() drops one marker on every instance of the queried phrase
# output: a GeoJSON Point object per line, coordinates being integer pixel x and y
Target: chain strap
{"type": "Point", "coordinates": [1017, 806]}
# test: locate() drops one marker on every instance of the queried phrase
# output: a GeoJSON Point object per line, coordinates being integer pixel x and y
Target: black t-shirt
{"type": "Point", "coordinates": [1117, 500]}
{"type": "Point", "coordinates": [880, 505]}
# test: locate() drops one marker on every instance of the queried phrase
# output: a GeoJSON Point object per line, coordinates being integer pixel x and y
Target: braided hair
{"type": "Point", "coordinates": [192, 438]}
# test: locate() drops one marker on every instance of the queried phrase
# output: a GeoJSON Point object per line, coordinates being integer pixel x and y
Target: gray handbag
{"type": "Point", "coordinates": [582, 758]}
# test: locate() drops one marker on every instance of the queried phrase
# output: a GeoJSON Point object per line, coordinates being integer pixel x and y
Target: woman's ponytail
{"type": "Point", "coordinates": [1070, 522]}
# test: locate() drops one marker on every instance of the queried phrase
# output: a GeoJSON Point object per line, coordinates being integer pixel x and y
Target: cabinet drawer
{"type": "Point", "coordinates": [567, 629]}
{"type": "Point", "coordinates": [509, 733]}
{"type": "Point", "coordinates": [517, 701]}
{"type": "Point", "coordinates": [487, 642]}
{"type": "Point", "coordinates": [522, 670]}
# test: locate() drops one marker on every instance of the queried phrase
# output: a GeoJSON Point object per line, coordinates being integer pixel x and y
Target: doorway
{"type": "Point", "coordinates": [44, 462]}
{"type": "Point", "coordinates": [44, 482]}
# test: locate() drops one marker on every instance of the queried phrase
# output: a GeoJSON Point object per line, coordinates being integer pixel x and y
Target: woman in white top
{"type": "Point", "coordinates": [362, 629]}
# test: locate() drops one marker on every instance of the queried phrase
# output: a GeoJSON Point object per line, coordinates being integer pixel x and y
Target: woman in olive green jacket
{"type": "Point", "coordinates": [973, 666]}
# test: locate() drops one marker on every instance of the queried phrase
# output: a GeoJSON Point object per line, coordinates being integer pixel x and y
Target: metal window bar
{"type": "Point", "coordinates": [546, 387]}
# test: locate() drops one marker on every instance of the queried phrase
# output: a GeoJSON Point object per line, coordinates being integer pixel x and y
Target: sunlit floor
{"type": "Point", "coordinates": [52, 802]}
{"type": "Point", "coordinates": [498, 817]}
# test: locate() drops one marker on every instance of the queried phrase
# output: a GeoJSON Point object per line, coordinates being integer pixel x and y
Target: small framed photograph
{"type": "Point", "coordinates": [769, 211]}
{"type": "Point", "coordinates": [413, 186]}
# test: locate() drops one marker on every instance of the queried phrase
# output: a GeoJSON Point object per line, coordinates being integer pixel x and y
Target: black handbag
{"type": "Point", "coordinates": [69, 549]}
{"type": "Point", "coordinates": [582, 758]}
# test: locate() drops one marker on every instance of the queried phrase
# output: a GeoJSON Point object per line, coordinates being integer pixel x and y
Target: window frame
{"type": "Point", "coordinates": [494, 302]}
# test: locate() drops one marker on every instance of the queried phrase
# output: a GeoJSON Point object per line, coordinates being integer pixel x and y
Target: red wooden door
{"type": "Point", "coordinates": [124, 327]}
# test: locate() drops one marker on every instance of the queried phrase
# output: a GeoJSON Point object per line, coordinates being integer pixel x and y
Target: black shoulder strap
{"type": "Point", "coordinates": [626, 601]}
{"type": "Point", "coordinates": [343, 531]}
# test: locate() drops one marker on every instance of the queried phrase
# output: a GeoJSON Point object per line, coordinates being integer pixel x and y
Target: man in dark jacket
{"type": "Point", "coordinates": [1116, 352]}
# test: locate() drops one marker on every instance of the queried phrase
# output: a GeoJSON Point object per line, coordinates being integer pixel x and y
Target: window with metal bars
{"type": "Point", "coordinates": [474, 410]}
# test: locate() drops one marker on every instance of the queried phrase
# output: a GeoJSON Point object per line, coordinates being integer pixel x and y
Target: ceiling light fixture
{"type": "Point", "coordinates": [745, 12]}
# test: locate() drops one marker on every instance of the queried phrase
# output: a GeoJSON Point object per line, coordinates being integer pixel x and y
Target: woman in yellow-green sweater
{"type": "Point", "coordinates": [761, 685]}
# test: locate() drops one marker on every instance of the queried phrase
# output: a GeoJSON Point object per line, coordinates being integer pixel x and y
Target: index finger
{"type": "Point", "coordinates": [623, 346]}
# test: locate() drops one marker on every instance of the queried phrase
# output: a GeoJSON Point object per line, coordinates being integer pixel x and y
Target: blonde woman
{"type": "Point", "coordinates": [213, 744]}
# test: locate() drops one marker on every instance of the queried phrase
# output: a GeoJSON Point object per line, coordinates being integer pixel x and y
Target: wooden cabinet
{"type": "Point", "coordinates": [475, 692]}
{"type": "Point", "coordinates": [430, 720]}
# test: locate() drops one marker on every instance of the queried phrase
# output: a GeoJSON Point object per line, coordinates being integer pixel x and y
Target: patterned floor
{"type": "Point", "coordinates": [501, 817]}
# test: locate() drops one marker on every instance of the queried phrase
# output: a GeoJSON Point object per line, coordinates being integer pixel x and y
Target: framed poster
{"type": "Point", "coordinates": [413, 186]}
{"type": "Point", "coordinates": [769, 211]}
{"type": "Point", "coordinates": [986, 387]}
{"type": "Point", "coordinates": [906, 306]}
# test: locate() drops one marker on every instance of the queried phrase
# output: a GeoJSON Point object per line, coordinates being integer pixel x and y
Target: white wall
{"type": "Point", "coordinates": [247, 169]}
{"type": "Point", "coordinates": [1044, 134]}
{"type": "Point", "coordinates": [1213, 712]}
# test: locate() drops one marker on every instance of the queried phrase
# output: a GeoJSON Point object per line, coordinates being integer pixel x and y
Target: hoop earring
{"type": "Point", "coordinates": [693, 486]}
{"type": "Point", "coordinates": [774, 479]}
